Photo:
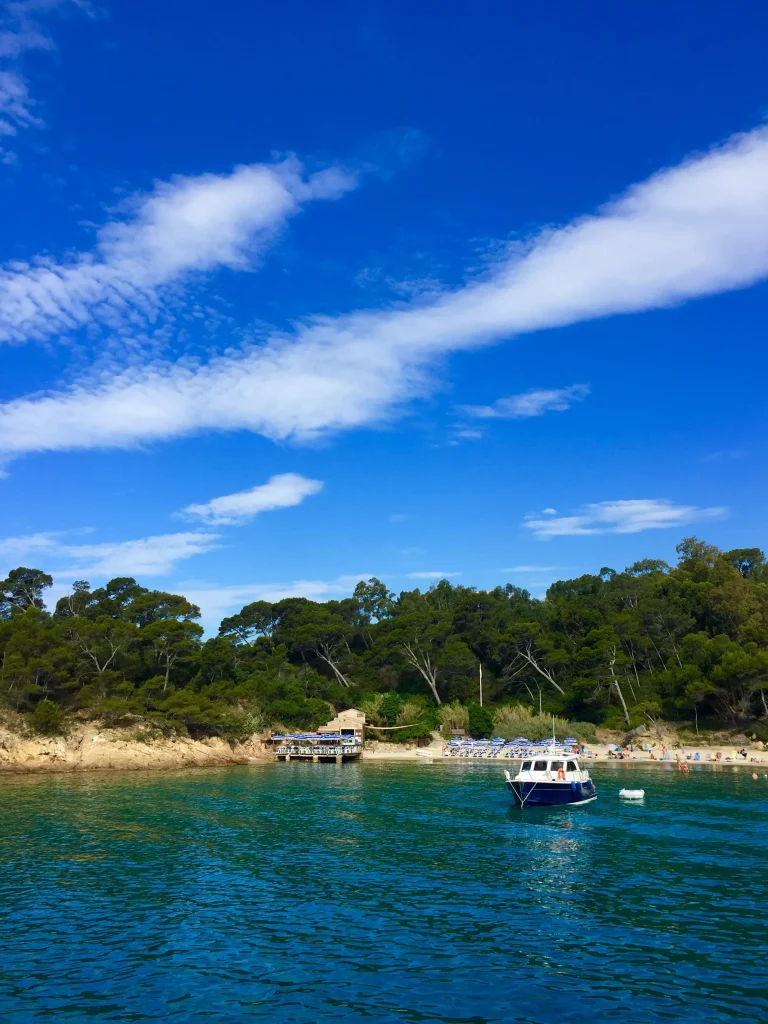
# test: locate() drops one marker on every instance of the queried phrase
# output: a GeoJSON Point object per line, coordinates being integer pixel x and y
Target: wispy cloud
{"type": "Point", "coordinates": [217, 601]}
{"type": "Point", "coordinates": [631, 516]}
{"type": "Point", "coordinates": [728, 455]}
{"type": "Point", "coordinates": [399, 517]}
{"type": "Point", "coordinates": [20, 31]}
{"type": "Point", "coordinates": [280, 491]}
{"type": "Point", "coordinates": [183, 227]}
{"type": "Point", "coordinates": [432, 575]}
{"type": "Point", "coordinates": [694, 230]}
{"type": "Point", "coordinates": [147, 556]}
{"type": "Point", "coordinates": [530, 403]}
{"type": "Point", "coordinates": [524, 569]}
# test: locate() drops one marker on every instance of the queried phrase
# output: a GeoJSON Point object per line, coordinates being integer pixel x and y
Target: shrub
{"type": "Point", "coordinates": [390, 707]}
{"type": "Point", "coordinates": [370, 705]}
{"type": "Point", "coordinates": [452, 716]}
{"type": "Point", "coordinates": [418, 716]}
{"type": "Point", "coordinates": [480, 721]}
{"type": "Point", "coordinates": [47, 718]}
{"type": "Point", "coordinates": [518, 720]}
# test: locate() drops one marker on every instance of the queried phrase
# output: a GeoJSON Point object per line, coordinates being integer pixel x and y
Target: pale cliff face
{"type": "Point", "coordinates": [91, 747]}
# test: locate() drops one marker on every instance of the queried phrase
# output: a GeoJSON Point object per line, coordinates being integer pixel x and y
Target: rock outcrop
{"type": "Point", "coordinates": [93, 747]}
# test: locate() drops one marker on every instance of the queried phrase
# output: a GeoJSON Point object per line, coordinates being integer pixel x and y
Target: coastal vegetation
{"type": "Point", "coordinates": [617, 649]}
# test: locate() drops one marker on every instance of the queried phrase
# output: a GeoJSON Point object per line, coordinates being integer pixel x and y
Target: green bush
{"type": "Point", "coordinates": [47, 718]}
{"type": "Point", "coordinates": [480, 721]}
{"type": "Point", "coordinates": [453, 717]}
{"type": "Point", "coordinates": [517, 720]}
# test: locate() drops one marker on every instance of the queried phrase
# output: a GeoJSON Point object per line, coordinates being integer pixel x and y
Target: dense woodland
{"type": "Point", "coordinates": [616, 649]}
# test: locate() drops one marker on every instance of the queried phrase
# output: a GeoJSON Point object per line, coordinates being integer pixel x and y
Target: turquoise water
{"type": "Point", "coordinates": [381, 892]}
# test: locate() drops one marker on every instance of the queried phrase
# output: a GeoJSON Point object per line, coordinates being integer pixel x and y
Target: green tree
{"type": "Point", "coordinates": [23, 589]}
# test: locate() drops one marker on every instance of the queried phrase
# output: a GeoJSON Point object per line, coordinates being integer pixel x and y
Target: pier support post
{"type": "Point", "coordinates": [338, 759]}
{"type": "Point", "coordinates": [287, 757]}
{"type": "Point", "coordinates": [315, 757]}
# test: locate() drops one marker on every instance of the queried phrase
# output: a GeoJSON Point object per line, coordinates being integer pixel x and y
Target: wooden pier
{"type": "Point", "coordinates": [316, 747]}
{"type": "Point", "coordinates": [340, 740]}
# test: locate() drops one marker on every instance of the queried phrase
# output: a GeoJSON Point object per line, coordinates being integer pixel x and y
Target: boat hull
{"type": "Point", "coordinates": [552, 794]}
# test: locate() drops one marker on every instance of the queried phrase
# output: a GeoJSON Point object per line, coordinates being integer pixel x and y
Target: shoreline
{"type": "Point", "coordinates": [595, 755]}
{"type": "Point", "coordinates": [92, 747]}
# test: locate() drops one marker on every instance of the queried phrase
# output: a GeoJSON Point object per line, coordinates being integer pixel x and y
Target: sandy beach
{"type": "Point", "coordinates": [594, 754]}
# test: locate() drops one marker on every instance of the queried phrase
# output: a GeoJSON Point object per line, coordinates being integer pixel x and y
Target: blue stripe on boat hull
{"type": "Point", "coordinates": [550, 794]}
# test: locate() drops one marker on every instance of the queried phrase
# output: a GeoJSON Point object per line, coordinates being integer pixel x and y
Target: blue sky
{"type": "Point", "coordinates": [296, 293]}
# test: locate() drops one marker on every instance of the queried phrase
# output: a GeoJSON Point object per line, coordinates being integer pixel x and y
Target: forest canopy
{"type": "Point", "coordinates": [618, 649]}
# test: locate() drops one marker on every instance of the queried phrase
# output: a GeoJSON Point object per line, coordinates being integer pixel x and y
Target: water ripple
{"type": "Point", "coordinates": [380, 892]}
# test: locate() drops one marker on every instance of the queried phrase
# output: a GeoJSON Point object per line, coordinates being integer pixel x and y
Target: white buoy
{"type": "Point", "coordinates": [632, 794]}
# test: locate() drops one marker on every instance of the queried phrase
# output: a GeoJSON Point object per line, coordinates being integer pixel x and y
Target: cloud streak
{"type": "Point", "coordinates": [148, 556]}
{"type": "Point", "coordinates": [694, 230]}
{"type": "Point", "coordinates": [632, 516]}
{"type": "Point", "coordinates": [530, 403]}
{"type": "Point", "coordinates": [217, 601]}
{"type": "Point", "coordinates": [186, 226]}
{"type": "Point", "coordinates": [20, 32]}
{"type": "Point", "coordinates": [432, 575]}
{"type": "Point", "coordinates": [280, 491]}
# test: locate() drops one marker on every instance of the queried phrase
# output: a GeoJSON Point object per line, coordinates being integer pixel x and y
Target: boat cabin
{"type": "Point", "coordinates": [546, 767]}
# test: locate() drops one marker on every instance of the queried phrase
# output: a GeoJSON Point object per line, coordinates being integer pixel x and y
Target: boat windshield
{"type": "Point", "coordinates": [540, 766]}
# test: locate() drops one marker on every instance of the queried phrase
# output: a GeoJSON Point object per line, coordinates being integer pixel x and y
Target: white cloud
{"type": "Point", "coordinates": [280, 491]}
{"type": "Point", "coordinates": [215, 602]}
{"type": "Point", "coordinates": [531, 403]}
{"type": "Point", "coordinates": [432, 575]}
{"type": "Point", "coordinates": [20, 31]}
{"type": "Point", "coordinates": [531, 568]}
{"type": "Point", "coordinates": [15, 104]}
{"type": "Point", "coordinates": [146, 556]}
{"type": "Point", "coordinates": [632, 516]}
{"type": "Point", "coordinates": [21, 547]}
{"type": "Point", "coordinates": [470, 435]}
{"type": "Point", "coordinates": [184, 226]}
{"type": "Point", "coordinates": [694, 230]}
{"type": "Point", "coordinates": [399, 517]}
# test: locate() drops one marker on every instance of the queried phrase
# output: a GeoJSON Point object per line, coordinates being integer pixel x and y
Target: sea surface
{"type": "Point", "coordinates": [381, 892]}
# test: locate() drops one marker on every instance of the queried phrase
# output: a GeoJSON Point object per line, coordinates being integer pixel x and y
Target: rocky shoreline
{"type": "Point", "coordinates": [94, 747]}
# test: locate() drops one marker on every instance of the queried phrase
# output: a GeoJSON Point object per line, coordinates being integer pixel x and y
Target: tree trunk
{"type": "Point", "coordinates": [631, 688]}
{"type": "Point", "coordinates": [616, 687]}
{"type": "Point", "coordinates": [527, 654]}
{"type": "Point", "coordinates": [423, 664]}
{"type": "Point", "coordinates": [340, 677]}
{"type": "Point", "coordinates": [671, 640]}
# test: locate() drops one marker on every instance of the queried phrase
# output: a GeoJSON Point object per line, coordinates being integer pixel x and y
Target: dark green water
{"type": "Point", "coordinates": [381, 892]}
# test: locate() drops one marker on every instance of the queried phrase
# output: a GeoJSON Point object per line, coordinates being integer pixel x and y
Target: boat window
{"type": "Point", "coordinates": [526, 766]}
{"type": "Point", "coordinates": [540, 766]}
{"type": "Point", "coordinates": [571, 766]}
{"type": "Point", "coordinates": [557, 765]}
